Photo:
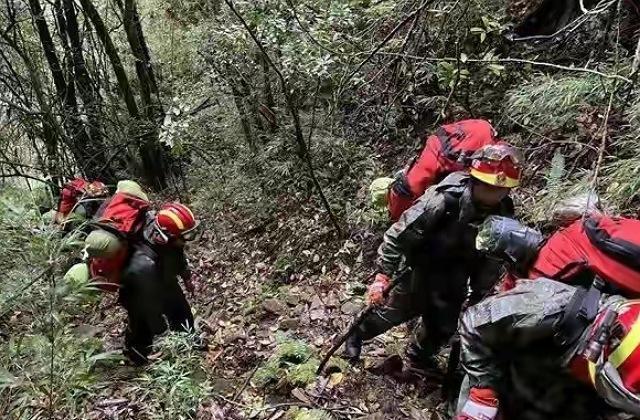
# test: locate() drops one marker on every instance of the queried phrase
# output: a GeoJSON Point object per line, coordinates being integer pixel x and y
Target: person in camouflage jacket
{"type": "Point", "coordinates": [436, 239]}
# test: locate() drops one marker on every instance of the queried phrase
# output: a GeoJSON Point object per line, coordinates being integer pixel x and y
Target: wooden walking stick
{"type": "Point", "coordinates": [359, 319]}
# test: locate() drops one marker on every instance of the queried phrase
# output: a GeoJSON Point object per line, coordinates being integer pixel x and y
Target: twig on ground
{"type": "Point", "coordinates": [245, 384]}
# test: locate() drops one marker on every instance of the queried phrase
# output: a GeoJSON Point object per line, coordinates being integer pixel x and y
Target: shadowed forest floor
{"type": "Point", "coordinates": [269, 287]}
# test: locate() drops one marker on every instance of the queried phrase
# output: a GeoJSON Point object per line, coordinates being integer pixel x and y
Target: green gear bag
{"type": "Point", "coordinates": [379, 190]}
{"type": "Point", "coordinates": [131, 188]}
{"type": "Point", "coordinates": [102, 244]}
{"type": "Point", "coordinates": [77, 275]}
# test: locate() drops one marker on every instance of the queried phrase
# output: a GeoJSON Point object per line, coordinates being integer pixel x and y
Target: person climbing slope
{"type": "Point", "coordinates": [140, 253]}
{"type": "Point", "coordinates": [79, 200]}
{"type": "Point", "coordinates": [436, 238]}
{"type": "Point", "coordinates": [563, 334]}
{"type": "Point", "coordinates": [150, 290]}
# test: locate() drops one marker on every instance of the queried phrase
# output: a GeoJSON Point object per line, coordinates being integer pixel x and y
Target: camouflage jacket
{"type": "Point", "coordinates": [440, 226]}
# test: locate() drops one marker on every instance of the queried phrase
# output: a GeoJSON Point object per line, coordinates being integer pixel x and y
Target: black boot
{"type": "Point", "coordinates": [353, 347]}
{"type": "Point", "coordinates": [421, 359]}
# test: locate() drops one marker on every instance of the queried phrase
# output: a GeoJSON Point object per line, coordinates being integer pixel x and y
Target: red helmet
{"type": "Point", "coordinates": [498, 165]}
{"type": "Point", "coordinates": [616, 374]}
{"type": "Point", "coordinates": [176, 220]}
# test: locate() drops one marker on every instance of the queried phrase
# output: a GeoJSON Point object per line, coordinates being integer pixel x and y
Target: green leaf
{"type": "Point", "coordinates": [557, 169]}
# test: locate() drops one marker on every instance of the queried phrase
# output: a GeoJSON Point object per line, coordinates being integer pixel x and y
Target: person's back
{"type": "Point", "coordinates": [150, 291]}
{"type": "Point", "coordinates": [544, 339]}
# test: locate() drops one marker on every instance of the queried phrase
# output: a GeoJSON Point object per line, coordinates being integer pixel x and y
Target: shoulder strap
{"type": "Point", "coordinates": [451, 202]}
{"type": "Point", "coordinates": [579, 313]}
{"type": "Point", "coordinates": [446, 143]}
{"type": "Point", "coordinates": [147, 250]}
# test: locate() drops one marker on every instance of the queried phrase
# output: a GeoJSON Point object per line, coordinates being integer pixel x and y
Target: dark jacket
{"type": "Point", "coordinates": [440, 226]}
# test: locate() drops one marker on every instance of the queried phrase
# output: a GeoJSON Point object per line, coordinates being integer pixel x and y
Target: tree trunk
{"type": "Point", "coordinates": [51, 132]}
{"type": "Point", "coordinates": [77, 137]}
{"type": "Point", "coordinates": [95, 148]}
{"type": "Point", "coordinates": [49, 48]}
{"type": "Point", "coordinates": [103, 35]}
{"type": "Point", "coordinates": [244, 121]}
{"type": "Point", "coordinates": [268, 94]}
{"type": "Point", "coordinates": [144, 70]}
{"type": "Point", "coordinates": [156, 162]}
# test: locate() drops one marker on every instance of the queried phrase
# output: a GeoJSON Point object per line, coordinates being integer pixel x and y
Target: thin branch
{"type": "Point", "coordinates": [384, 42]}
{"type": "Point", "coordinates": [304, 151]}
{"type": "Point", "coordinates": [313, 113]}
{"type": "Point", "coordinates": [306, 30]}
{"type": "Point", "coordinates": [603, 142]}
{"type": "Point", "coordinates": [509, 60]}
{"type": "Point", "coordinates": [569, 27]}
{"type": "Point", "coordinates": [636, 59]}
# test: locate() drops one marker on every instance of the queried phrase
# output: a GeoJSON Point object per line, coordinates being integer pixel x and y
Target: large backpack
{"type": "Point", "coordinates": [119, 223]}
{"type": "Point", "coordinates": [605, 246]}
{"type": "Point", "coordinates": [448, 150]}
{"type": "Point", "coordinates": [618, 238]}
{"type": "Point", "coordinates": [71, 193]}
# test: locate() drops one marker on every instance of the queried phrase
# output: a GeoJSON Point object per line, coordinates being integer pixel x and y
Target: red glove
{"type": "Point", "coordinates": [507, 282]}
{"type": "Point", "coordinates": [481, 405]}
{"type": "Point", "coordinates": [375, 294]}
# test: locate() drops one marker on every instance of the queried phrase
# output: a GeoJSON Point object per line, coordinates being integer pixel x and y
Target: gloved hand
{"type": "Point", "coordinates": [375, 293]}
{"type": "Point", "coordinates": [481, 405]}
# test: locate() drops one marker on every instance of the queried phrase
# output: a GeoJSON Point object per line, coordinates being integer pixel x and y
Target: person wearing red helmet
{"type": "Point", "coordinates": [436, 239]}
{"type": "Point", "coordinates": [150, 292]}
{"type": "Point", "coordinates": [79, 201]}
{"type": "Point", "coordinates": [445, 151]}
{"type": "Point", "coordinates": [568, 335]}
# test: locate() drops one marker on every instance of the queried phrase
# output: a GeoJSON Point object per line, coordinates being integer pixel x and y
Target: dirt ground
{"type": "Point", "coordinates": [288, 277]}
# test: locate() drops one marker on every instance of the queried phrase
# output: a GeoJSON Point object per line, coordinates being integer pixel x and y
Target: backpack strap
{"type": "Point", "coordinates": [579, 313]}
{"type": "Point", "coordinates": [400, 185]}
{"type": "Point", "coordinates": [446, 142]}
{"type": "Point", "coordinates": [147, 250]}
{"type": "Point", "coordinates": [451, 203]}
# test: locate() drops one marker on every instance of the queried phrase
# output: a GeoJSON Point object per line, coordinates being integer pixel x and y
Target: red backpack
{"type": "Point", "coordinates": [444, 152]}
{"type": "Point", "coordinates": [608, 247]}
{"type": "Point", "coordinates": [71, 193]}
{"type": "Point", "coordinates": [124, 216]}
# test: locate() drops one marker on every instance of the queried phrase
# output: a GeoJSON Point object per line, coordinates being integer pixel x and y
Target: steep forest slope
{"type": "Point", "coordinates": [271, 118]}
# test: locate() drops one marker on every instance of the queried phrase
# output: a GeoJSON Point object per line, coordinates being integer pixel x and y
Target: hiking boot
{"type": "Point", "coordinates": [420, 359]}
{"type": "Point", "coordinates": [353, 347]}
{"type": "Point", "coordinates": [135, 357]}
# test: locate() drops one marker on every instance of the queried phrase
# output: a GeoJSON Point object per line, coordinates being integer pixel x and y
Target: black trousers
{"type": "Point", "coordinates": [435, 294]}
{"type": "Point", "coordinates": [152, 305]}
